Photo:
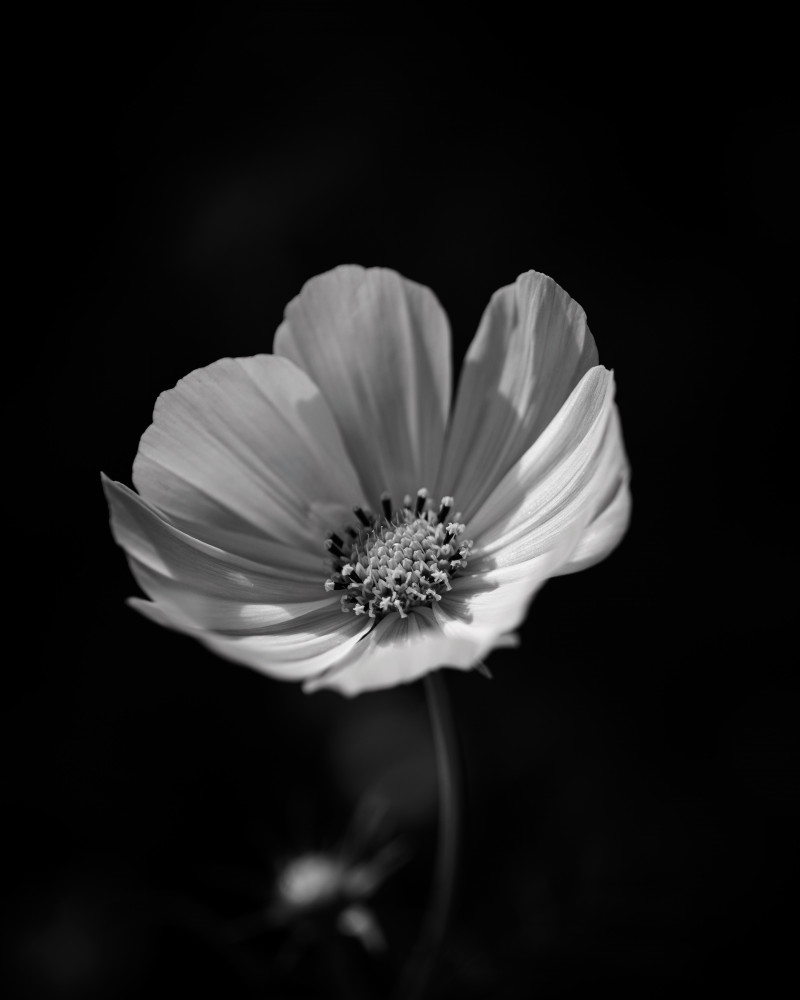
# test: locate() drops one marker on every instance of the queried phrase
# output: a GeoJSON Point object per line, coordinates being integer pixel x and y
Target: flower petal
{"type": "Point", "coordinates": [531, 349]}
{"type": "Point", "coordinates": [560, 481]}
{"type": "Point", "coordinates": [399, 650]}
{"type": "Point", "coordinates": [605, 532]}
{"type": "Point", "coordinates": [164, 549]}
{"type": "Point", "coordinates": [220, 614]}
{"type": "Point", "coordinates": [378, 346]}
{"type": "Point", "coordinates": [497, 589]}
{"type": "Point", "coordinates": [247, 449]}
{"type": "Point", "coordinates": [497, 600]}
{"type": "Point", "coordinates": [304, 647]}
{"type": "Point", "coordinates": [278, 620]}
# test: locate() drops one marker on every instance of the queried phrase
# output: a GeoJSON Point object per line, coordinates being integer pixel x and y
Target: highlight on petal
{"type": "Point", "coordinates": [531, 349]}
{"type": "Point", "coordinates": [497, 600]}
{"type": "Point", "coordinates": [549, 510]}
{"type": "Point", "coordinates": [219, 614]}
{"type": "Point", "coordinates": [400, 650]}
{"type": "Point", "coordinates": [237, 452]}
{"type": "Point", "coordinates": [301, 648]}
{"type": "Point", "coordinates": [558, 481]}
{"type": "Point", "coordinates": [378, 347]}
{"type": "Point", "coordinates": [606, 530]}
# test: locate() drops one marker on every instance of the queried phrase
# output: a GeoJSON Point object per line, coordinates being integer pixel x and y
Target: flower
{"type": "Point", "coordinates": [315, 889]}
{"type": "Point", "coordinates": [319, 883]}
{"type": "Point", "coordinates": [320, 513]}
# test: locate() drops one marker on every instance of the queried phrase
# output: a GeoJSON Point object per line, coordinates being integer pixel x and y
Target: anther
{"type": "Point", "coordinates": [444, 508]}
{"type": "Point", "coordinates": [335, 539]}
{"type": "Point", "coordinates": [422, 496]}
{"type": "Point", "coordinates": [386, 505]}
{"type": "Point", "coordinates": [331, 546]}
{"type": "Point", "coordinates": [362, 517]}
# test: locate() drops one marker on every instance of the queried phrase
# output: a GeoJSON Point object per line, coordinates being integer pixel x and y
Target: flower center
{"type": "Point", "coordinates": [399, 560]}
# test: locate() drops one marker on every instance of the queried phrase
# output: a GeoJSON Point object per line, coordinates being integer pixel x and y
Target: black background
{"type": "Point", "coordinates": [630, 793]}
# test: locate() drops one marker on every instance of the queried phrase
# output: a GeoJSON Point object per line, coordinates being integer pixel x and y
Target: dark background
{"type": "Point", "coordinates": [630, 793]}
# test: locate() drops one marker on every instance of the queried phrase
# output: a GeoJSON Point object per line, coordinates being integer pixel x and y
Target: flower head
{"type": "Point", "coordinates": [339, 882]}
{"type": "Point", "coordinates": [322, 515]}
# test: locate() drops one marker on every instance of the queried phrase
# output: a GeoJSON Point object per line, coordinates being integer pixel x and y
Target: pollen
{"type": "Point", "coordinates": [398, 559]}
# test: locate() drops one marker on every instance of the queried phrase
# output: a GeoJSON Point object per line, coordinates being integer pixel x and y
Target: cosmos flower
{"type": "Point", "coordinates": [322, 514]}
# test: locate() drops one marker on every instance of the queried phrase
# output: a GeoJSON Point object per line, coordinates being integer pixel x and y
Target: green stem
{"type": "Point", "coordinates": [417, 975]}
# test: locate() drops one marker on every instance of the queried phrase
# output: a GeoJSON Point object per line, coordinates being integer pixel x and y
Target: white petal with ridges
{"type": "Point", "coordinates": [400, 650]}
{"type": "Point", "coordinates": [531, 349]}
{"type": "Point", "coordinates": [604, 532]}
{"type": "Point", "coordinates": [167, 550]}
{"type": "Point", "coordinates": [378, 346]}
{"type": "Point", "coordinates": [247, 447]}
{"type": "Point", "coordinates": [556, 480]}
{"type": "Point", "coordinates": [497, 600]}
{"type": "Point", "coordinates": [303, 648]}
{"type": "Point", "coordinates": [568, 517]}
{"type": "Point", "coordinates": [218, 614]}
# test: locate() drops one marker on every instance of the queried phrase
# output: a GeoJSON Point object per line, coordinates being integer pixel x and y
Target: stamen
{"type": "Point", "coordinates": [362, 517]}
{"type": "Point", "coordinates": [331, 546]}
{"type": "Point", "coordinates": [404, 559]}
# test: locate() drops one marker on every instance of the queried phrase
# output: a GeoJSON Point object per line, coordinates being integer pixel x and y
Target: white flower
{"type": "Point", "coordinates": [243, 531]}
{"type": "Point", "coordinates": [321, 881]}
{"type": "Point", "coordinates": [339, 882]}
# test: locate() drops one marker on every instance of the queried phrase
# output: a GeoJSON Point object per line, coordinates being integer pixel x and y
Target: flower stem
{"type": "Point", "coordinates": [414, 983]}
